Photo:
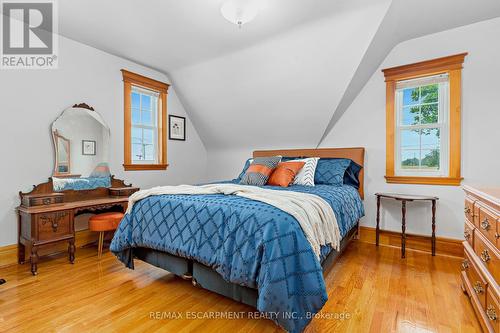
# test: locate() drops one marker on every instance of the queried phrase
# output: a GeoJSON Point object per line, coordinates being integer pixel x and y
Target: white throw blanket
{"type": "Point", "coordinates": [315, 215]}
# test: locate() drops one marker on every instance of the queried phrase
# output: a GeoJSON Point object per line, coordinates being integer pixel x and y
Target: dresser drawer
{"type": "Point", "coordinates": [469, 233]}
{"type": "Point", "coordinates": [492, 310]}
{"type": "Point", "coordinates": [475, 278]}
{"type": "Point", "coordinates": [488, 224]}
{"type": "Point", "coordinates": [53, 225]}
{"type": "Point", "coordinates": [488, 255]}
{"type": "Point", "coordinates": [469, 209]}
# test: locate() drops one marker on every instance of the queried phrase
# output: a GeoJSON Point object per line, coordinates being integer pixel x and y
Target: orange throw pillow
{"type": "Point", "coordinates": [285, 173]}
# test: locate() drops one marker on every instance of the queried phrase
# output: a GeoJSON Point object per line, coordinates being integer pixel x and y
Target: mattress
{"type": "Point", "coordinates": [246, 242]}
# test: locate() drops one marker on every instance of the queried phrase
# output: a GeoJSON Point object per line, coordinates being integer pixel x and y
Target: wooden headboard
{"type": "Point", "coordinates": [356, 154]}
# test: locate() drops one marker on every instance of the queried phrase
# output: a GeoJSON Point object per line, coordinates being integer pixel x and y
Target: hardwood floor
{"type": "Point", "coordinates": [378, 291]}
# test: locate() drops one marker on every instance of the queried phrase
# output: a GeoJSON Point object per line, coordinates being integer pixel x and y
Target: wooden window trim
{"type": "Point", "coordinates": [132, 79]}
{"type": "Point", "coordinates": [451, 65]}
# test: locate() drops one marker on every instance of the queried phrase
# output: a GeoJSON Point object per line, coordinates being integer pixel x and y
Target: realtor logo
{"type": "Point", "coordinates": [29, 35]}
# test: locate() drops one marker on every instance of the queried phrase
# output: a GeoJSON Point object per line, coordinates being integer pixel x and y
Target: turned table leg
{"type": "Point", "coordinates": [34, 260]}
{"type": "Point", "coordinates": [71, 250]}
{"type": "Point", "coordinates": [403, 228]}
{"type": "Point", "coordinates": [433, 239]}
{"type": "Point", "coordinates": [377, 230]}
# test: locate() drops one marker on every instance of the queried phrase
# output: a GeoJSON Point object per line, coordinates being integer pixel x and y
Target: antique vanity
{"type": "Point", "coordinates": [81, 183]}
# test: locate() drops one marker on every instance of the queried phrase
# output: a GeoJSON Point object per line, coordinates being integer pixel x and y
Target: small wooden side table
{"type": "Point", "coordinates": [407, 198]}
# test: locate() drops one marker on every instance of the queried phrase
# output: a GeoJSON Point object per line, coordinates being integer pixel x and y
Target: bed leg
{"type": "Point", "coordinates": [358, 233]}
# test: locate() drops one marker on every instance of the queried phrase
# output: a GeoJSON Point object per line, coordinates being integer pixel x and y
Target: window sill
{"type": "Point", "coordinates": [451, 181]}
{"type": "Point", "coordinates": [143, 167]}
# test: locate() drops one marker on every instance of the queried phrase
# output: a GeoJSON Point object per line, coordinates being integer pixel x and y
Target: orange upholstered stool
{"type": "Point", "coordinates": [102, 223]}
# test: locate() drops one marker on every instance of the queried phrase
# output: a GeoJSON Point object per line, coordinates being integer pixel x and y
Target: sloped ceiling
{"type": "Point", "coordinates": [282, 80]}
{"type": "Point", "coordinates": [407, 20]}
{"type": "Point", "coordinates": [281, 91]}
{"type": "Point", "coordinates": [168, 34]}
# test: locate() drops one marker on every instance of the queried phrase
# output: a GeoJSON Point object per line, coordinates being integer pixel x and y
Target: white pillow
{"type": "Point", "coordinates": [306, 174]}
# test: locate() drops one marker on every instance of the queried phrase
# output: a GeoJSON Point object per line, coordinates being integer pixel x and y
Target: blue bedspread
{"type": "Point", "coordinates": [247, 242]}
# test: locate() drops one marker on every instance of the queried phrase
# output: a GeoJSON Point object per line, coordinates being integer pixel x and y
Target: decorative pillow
{"type": "Point", "coordinates": [330, 171]}
{"type": "Point", "coordinates": [259, 171]}
{"type": "Point", "coordinates": [351, 176]}
{"type": "Point", "coordinates": [306, 174]}
{"type": "Point", "coordinates": [242, 173]}
{"type": "Point", "coordinates": [284, 173]}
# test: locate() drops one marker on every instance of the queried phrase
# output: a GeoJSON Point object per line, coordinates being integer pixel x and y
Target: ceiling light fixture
{"type": "Point", "coordinates": [240, 12]}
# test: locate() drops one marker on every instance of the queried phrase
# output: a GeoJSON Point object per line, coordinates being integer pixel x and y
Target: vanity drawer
{"type": "Point", "coordinates": [492, 310]}
{"type": "Point", "coordinates": [469, 209]}
{"type": "Point", "coordinates": [469, 233]}
{"type": "Point", "coordinates": [53, 225]}
{"type": "Point", "coordinates": [488, 255]}
{"type": "Point", "coordinates": [488, 224]}
{"type": "Point", "coordinates": [30, 200]}
{"type": "Point", "coordinates": [122, 191]}
{"type": "Point", "coordinates": [475, 278]}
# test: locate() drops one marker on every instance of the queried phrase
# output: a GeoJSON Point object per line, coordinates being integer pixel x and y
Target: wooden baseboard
{"type": "Point", "coordinates": [8, 254]}
{"type": "Point", "coordinates": [444, 246]}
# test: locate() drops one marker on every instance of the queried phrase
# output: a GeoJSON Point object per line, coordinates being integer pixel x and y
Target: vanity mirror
{"type": "Point", "coordinates": [81, 150]}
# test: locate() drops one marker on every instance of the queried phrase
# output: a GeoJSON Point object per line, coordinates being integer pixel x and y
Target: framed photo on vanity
{"type": "Point", "coordinates": [177, 128]}
{"type": "Point", "coordinates": [88, 147]}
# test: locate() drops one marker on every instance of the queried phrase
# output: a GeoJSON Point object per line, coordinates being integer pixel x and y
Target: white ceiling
{"type": "Point", "coordinates": [282, 80]}
{"type": "Point", "coordinates": [281, 91]}
{"type": "Point", "coordinates": [168, 34]}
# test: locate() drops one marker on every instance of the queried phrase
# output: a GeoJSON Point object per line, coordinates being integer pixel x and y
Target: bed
{"type": "Point", "coordinates": [246, 250]}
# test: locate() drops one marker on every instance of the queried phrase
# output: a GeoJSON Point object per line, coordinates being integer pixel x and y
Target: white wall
{"type": "Point", "coordinates": [30, 100]}
{"type": "Point", "coordinates": [364, 125]}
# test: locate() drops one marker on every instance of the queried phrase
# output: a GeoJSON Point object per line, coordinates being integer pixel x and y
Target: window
{"type": "Point", "coordinates": [422, 126]}
{"type": "Point", "coordinates": [144, 126]}
{"type": "Point", "coordinates": [423, 122]}
{"type": "Point", "coordinates": [145, 113]}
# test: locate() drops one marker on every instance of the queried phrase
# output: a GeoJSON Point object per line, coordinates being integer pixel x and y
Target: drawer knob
{"type": "Point", "coordinates": [478, 288]}
{"type": "Point", "coordinates": [485, 224]}
{"type": "Point", "coordinates": [467, 234]}
{"type": "Point", "coordinates": [465, 264]}
{"type": "Point", "coordinates": [485, 256]}
{"type": "Point", "coordinates": [467, 210]}
{"type": "Point", "coordinates": [491, 313]}
{"type": "Point", "coordinates": [497, 235]}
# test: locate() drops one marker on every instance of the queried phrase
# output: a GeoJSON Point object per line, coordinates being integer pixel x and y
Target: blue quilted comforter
{"type": "Point", "coordinates": [247, 242]}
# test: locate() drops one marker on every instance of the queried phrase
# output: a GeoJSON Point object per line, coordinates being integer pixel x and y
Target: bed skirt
{"type": "Point", "coordinates": [209, 279]}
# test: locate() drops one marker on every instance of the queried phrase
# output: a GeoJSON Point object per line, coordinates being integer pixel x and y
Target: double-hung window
{"type": "Point", "coordinates": [145, 104]}
{"type": "Point", "coordinates": [423, 112]}
{"type": "Point", "coordinates": [422, 126]}
{"type": "Point", "coordinates": [145, 113]}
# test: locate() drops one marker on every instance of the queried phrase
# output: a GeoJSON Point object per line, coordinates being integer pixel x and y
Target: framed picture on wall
{"type": "Point", "coordinates": [177, 128]}
{"type": "Point", "coordinates": [88, 147]}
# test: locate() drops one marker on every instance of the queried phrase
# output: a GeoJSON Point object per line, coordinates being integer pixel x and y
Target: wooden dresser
{"type": "Point", "coordinates": [481, 265]}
